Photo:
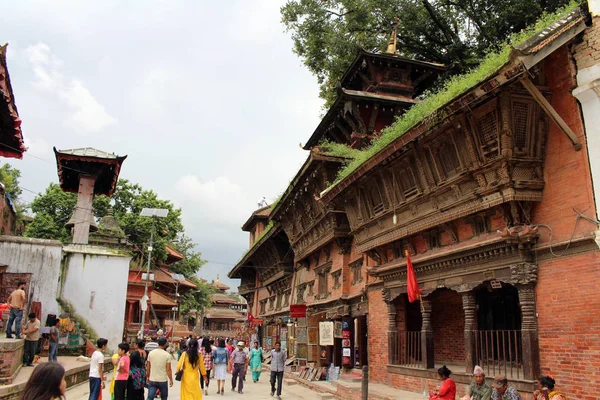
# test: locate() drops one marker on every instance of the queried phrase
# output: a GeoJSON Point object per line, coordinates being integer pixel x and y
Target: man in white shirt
{"type": "Point", "coordinates": [97, 370]}
{"type": "Point", "coordinates": [152, 345]}
{"type": "Point", "coordinates": [159, 371]}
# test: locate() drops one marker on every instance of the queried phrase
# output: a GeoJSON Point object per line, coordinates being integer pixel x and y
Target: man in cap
{"type": "Point", "coordinates": [478, 390]}
{"type": "Point", "coordinates": [502, 391]}
{"type": "Point", "coordinates": [239, 358]}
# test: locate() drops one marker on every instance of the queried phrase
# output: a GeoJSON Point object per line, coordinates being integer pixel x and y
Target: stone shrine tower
{"type": "Point", "coordinates": [87, 172]}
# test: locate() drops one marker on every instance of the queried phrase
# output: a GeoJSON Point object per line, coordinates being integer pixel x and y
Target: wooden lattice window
{"type": "Point", "coordinates": [263, 306]}
{"type": "Point", "coordinates": [336, 279]}
{"type": "Point", "coordinates": [449, 159]}
{"type": "Point", "coordinates": [406, 183]}
{"type": "Point", "coordinates": [487, 124]}
{"type": "Point", "coordinates": [522, 112]}
{"type": "Point", "coordinates": [376, 198]}
{"type": "Point", "coordinates": [356, 268]}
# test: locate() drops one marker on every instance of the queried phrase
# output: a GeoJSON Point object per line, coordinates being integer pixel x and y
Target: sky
{"type": "Point", "coordinates": [206, 98]}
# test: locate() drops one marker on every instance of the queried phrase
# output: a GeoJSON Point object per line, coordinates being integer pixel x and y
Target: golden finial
{"type": "Point", "coordinates": [393, 42]}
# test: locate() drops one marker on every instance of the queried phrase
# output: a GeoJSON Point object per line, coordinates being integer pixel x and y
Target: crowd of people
{"type": "Point", "coordinates": [147, 366]}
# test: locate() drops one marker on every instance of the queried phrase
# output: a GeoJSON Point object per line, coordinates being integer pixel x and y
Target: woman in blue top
{"type": "Point", "coordinates": [220, 359]}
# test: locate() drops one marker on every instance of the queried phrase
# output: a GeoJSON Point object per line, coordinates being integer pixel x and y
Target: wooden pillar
{"type": "Point", "coordinates": [469, 307]}
{"type": "Point", "coordinates": [529, 332]}
{"type": "Point", "coordinates": [83, 215]}
{"type": "Point", "coordinates": [392, 334]}
{"type": "Point", "coordinates": [130, 312]}
{"type": "Point", "coordinates": [426, 334]}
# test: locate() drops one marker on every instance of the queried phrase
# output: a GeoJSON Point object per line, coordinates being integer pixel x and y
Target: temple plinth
{"type": "Point", "coordinates": [87, 172]}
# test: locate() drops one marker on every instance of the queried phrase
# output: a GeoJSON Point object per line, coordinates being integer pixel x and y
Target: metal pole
{"type": "Point", "coordinates": [365, 383]}
{"type": "Point", "coordinates": [141, 333]}
{"type": "Point", "coordinates": [175, 311]}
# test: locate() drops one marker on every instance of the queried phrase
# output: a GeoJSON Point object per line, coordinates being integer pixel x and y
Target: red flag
{"type": "Point", "coordinates": [414, 293]}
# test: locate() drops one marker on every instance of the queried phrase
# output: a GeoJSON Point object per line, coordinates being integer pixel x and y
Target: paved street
{"type": "Point", "coordinates": [253, 391]}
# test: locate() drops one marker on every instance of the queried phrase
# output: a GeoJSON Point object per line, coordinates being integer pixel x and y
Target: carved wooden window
{"type": "Point", "coordinates": [271, 303]}
{"type": "Point", "coordinates": [449, 159]}
{"type": "Point", "coordinates": [522, 118]}
{"type": "Point", "coordinates": [356, 268]}
{"type": "Point", "coordinates": [263, 306]}
{"type": "Point", "coordinates": [323, 285]}
{"type": "Point", "coordinates": [486, 123]}
{"type": "Point", "coordinates": [336, 279]}
{"type": "Point", "coordinates": [311, 287]}
{"type": "Point", "coordinates": [480, 224]}
{"type": "Point", "coordinates": [434, 239]}
{"type": "Point", "coordinates": [279, 299]}
{"type": "Point", "coordinates": [286, 298]}
{"type": "Point", "coordinates": [376, 197]}
{"type": "Point", "coordinates": [300, 293]}
{"type": "Point", "coordinates": [405, 183]}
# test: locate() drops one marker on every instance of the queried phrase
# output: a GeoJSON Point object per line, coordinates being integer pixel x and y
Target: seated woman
{"type": "Point", "coordinates": [546, 390]}
{"type": "Point", "coordinates": [447, 390]}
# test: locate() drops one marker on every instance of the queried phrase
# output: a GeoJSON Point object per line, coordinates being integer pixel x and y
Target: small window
{"type": "Point", "coordinates": [323, 285]}
{"type": "Point", "coordinates": [263, 306]}
{"type": "Point", "coordinates": [356, 268]}
{"type": "Point", "coordinates": [300, 293]}
{"type": "Point", "coordinates": [449, 159]}
{"type": "Point", "coordinates": [434, 239]}
{"type": "Point", "coordinates": [336, 279]}
{"type": "Point", "coordinates": [522, 113]}
{"type": "Point", "coordinates": [311, 288]}
{"type": "Point", "coordinates": [376, 199]}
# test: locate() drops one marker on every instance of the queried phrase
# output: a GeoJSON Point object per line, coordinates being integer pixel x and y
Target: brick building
{"type": "Point", "coordinates": [491, 194]}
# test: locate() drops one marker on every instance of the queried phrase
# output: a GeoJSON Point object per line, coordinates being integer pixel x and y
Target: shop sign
{"type": "Point", "coordinates": [326, 333]}
{"type": "Point", "coordinates": [298, 310]}
{"type": "Point", "coordinates": [346, 343]}
{"type": "Point", "coordinates": [345, 334]}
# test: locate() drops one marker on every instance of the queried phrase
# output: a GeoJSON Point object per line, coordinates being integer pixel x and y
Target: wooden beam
{"type": "Point", "coordinates": [551, 112]}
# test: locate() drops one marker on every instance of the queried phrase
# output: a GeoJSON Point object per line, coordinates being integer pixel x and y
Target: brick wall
{"type": "Point", "coordinates": [587, 52]}
{"type": "Point", "coordinates": [566, 171]}
{"type": "Point", "coordinates": [378, 336]}
{"type": "Point", "coordinates": [568, 305]}
{"type": "Point", "coordinates": [448, 320]}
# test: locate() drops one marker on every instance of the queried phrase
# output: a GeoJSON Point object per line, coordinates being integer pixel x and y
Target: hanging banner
{"type": "Point", "coordinates": [326, 333]}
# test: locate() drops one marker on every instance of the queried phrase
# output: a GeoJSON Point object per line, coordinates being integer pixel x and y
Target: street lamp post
{"type": "Point", "coordinates": [154, 213]}
{"type": "Point", "coordinates": [178, 278]}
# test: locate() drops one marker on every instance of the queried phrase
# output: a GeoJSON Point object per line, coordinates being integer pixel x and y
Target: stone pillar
{"type": "Point", "coordinates": [469, 308]}
{"type": "Point", "coordinates": [529, 332]}
{"type": "Point", "coordinates": [426, 334]}
{"type": "Point", "coordinates": [392, 334]}
{"type": "Point", "coordinates": [83, 215]}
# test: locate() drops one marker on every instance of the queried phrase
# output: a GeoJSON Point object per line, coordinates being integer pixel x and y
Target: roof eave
{"type": "Point", "coordinates": [233, 274]}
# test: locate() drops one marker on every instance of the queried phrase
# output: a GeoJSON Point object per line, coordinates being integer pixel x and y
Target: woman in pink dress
{"type": "Point", "coordinates": [447, 390]}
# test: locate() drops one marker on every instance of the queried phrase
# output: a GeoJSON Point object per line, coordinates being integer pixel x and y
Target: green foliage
{"type": "Point", "coordinates": [9, 177]}
{"type": "Point", "coordinates": [457, 33]}
{"type": "Point", "coordinates": [338, 150]}
{"type": "Point", "coordinates": [197, 299]}
{"type": "Point", "coordinates": [54, 207]}
{"type": "Point", "coordinates": [453, 88]}
{"type": "Point", "coordinates": [193, 260]}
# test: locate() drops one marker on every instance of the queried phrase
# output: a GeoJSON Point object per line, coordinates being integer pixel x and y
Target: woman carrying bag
{"type": "Point", "coordinates": [189, 369]}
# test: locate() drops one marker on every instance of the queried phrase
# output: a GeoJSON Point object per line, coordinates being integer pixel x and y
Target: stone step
{"type": "Point", "coordinates": [351, 378]}
{"type": "Point", "coordinates": [325, 396]}
{"type": "Point", "coordinates": [290, 382]}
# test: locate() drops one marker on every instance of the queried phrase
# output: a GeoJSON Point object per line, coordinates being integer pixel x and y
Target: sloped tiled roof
{"type": "Point", "coordinates": [10, 124]}
{"type": "Point", "coordinates": [159, 299]}
{"type": "Point", "coordinates": [222, 312]}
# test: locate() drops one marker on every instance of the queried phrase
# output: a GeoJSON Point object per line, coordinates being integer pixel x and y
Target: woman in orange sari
{"type": "Point", "coordinates": [447, 390]}
{"type": "Point", "coordinates": [546, 390]}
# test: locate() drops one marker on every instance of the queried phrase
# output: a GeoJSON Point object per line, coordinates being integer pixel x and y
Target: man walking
{"type": "Point", "coordinates": [53, 352]}
{"type": "Point", "coordinates": [97, 370]}
{"type": "Point", "coordinates": [32, 335]}
{"type": "Point", "coordinates": [17, 301]}
{"type": "Point", "coordinates": [278, 358]}
{"type": "Point", "coordinates": [240, 361]}
{"type": "Point", "coordinates": [159, 371]}
{"type": "Point", "coordinates": [152, 345]}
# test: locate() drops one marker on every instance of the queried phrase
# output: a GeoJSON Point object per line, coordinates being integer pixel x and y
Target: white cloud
{"type": "Point", "coordinates": [85, 112]}
{"type": "Point", "coordinates": [216, 200]}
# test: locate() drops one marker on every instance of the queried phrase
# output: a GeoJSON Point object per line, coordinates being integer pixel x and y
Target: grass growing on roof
{"type": "Point", "coordinates": [453, 88]}
{"type": "Point", "coordinates": [268, 228]}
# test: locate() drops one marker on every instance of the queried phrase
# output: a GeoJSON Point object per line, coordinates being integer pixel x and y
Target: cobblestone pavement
{"type": "Point", "coordinates": [252, 391]}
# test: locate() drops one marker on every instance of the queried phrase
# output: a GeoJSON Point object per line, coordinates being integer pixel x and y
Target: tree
{"type": "Point", "coordinates": [457, 33]}
{"type": "Point", "coordinates": [129, 199]}
{"type": "Point", "coordinates": [192, 261]}
{"type": "Point", "coordinates": [9, 177]}
{"type": "Point", "coordinates": [197, 299]}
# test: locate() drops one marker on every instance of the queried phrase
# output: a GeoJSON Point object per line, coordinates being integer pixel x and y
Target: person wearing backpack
{"type": "Point", "coordinates": [137, 377]}
{"type": "Point", "coordinates": [220, 361]}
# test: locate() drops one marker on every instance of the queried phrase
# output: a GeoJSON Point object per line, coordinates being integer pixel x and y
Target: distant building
{"type": "Point", "coordinates": [226, 316]}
